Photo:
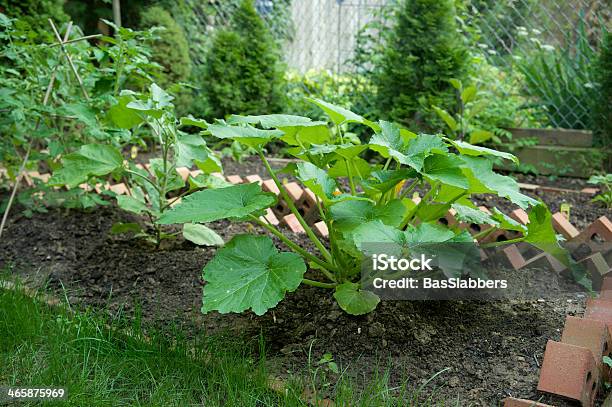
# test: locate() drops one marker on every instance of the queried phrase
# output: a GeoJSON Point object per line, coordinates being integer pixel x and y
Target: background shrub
{"type": "Point", "coordinates": [243, 69]}
{"type": "Point", "coordinates": [171, 49]}
{"type": "Point", "coordinates": [603, 104]}
{"type": "Point", "coordinates": [33, 15]}
{"type": "Point", "coordinates": [422, 52]}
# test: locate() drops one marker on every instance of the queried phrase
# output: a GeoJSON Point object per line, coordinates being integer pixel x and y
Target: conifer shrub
{"type": "Point", "coordinates": [422, 52]}
{"type": "Point", "coordinates": [243, 70]}
{"type": "Point", "coordinates": [170, 49]}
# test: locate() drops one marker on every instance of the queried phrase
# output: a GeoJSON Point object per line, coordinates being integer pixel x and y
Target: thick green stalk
{"type": "Point", "coordinates": [294, 210]}
{"type": "Point", "coordinates": [495, 244]}
{"type": "Point", "coordinates": [319, 284]}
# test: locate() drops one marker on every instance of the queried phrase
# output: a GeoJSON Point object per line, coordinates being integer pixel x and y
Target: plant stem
{"type": "Point", "coordinates": [495, 244]}
{"type": "Point", "coordinates": [346, 163]}
{"type": "Point", "coordinates": [297, 248]}
{"type": "Point", "coordinates": [387, 163]}
{"type": "Point", "coordinates": [294, 210]}
{"type": "Point", "coordinates": [153, 184]}
{"type": "Point", "coordinates": [484, 233]}
{"type": "Point", "coordinates": [409, 189]}
{"type": "Point", "coordinates": [318, 284]}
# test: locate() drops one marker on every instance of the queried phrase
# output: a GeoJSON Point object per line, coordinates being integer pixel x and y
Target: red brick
{"type": "Point", "coordinates": [563, 226]}
{"type": "Point", "coordinates": [520, 216]}
{"type": "Point", "coordinates": [569, 371]}
{"type": "Point", "coordinates": [234, 179]}
{"type": "Point", "coordinates": [119, 189]}
{"type": "Point", "coordinates": [176, 202]}
{"type": "Point", "coordinates": [270, 186]}
{"type": "Point", "coordinates": [309, 202]}
{"type": "Point", "coordinates": [218, 175]}
{"type": "Point", "coordinates": [598, 231]}
{"type": "Point", "coordinates": [293, 224]}
{"type": "Point", "coordinates": [545, 261]}
{"type": "Point", "coordinates": [183, 172]}
{"type": "Point", "coordinates": [254, 178]}
{"type": "Point", "coordinates": [512, 402]}
{"type": "Point", "coordinates": [99, 187]}
{"type": "Point", "coordinates": [590, 191]}
{"type": "Point", "coordinates": [195, 173]}
{"type": "Point", "coordinates": [600, 310]}
{"type": "Point", "coordinates": [591, 334]}
{"type": "Point", "coordinates": [295, 192]}
{"type": "Point", "coordinates": [597, 267]}
{"type": "Point", "coordinates": [321, 229]}
{"type": "Point", "coordinates": [270, 217]}
{"type": "Point", "coordinates": [605, 291]}
{"type": "Point", "coordinates": [528, 187]}
{"type": "Point", "coordinates": [514, 256]}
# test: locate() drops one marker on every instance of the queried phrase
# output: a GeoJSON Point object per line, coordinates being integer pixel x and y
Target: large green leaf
{"type": "Point", "coordinates": [448, 119]}
{"type": "Point", "coordinates": [131, 204]}
{"type": "Point", "coordinates": [337, 114]}
{"type": "Point", "coordinates": [348, 215]}
{"type": "Point", "coordinates": [317, 180]}
{"type": "Point", "coordinates": [471, 215]}
{"type": "Point", "coordinates": [445, 169]}
{"type": "Point", "coordinates": [244, 134]}
{"type": "Point", "coordinates": [90, 159]}
{"type": "Point", "coordinates": [306, 134]}
{"type": "Point", "coordinates": [384, 180]}
{"type": "Point", "coordinates": [190, 147]}
{"type": "Point", "coordinates": [122, 116]}
{"type": "Point", "coordinates": [250, 273]}
{"type": "Point", "coordinates": [209, 205]}
{"type": "Point", "coordinates": [389, 143]}
{"type": "Point", "coordinates": [270, 121]}
{"type": "Point", "coordinates": [355, 301]}
{"type": "Point", "coordinates": [469, 149]}
{"type": "Point", "coordinates": [482, 179]}
{"type": "Point", "coordinates": [201, 235]}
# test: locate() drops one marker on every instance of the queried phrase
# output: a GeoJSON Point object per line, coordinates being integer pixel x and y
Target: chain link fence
{"type": "Point", "coordinates": [550, 43]}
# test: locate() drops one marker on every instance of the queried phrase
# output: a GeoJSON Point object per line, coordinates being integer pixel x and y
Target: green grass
{"type": "Point", "coordinates": [100, 365]}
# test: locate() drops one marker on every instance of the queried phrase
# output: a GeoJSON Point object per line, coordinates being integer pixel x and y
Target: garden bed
{"type": "Point", "coordinates": [491, 349]}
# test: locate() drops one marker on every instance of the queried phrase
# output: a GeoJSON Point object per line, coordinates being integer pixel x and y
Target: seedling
{"type": "Point", "coordinates": [149, 186]}
{"type": "Point", "coordinates": [605, 182]}
{"type": "Point", "coordinates": [360, 202]}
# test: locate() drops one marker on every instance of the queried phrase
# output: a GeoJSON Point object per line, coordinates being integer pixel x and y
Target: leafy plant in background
{"type": "Point", "coordinates": [170, 49]}
{"type": "Point", "coordinates": [32, 16]}
{"type": "Point", "coordinates": [75, 112]}
{"type": "Point", "coordinates": [250, 272]}
{"type": "Point", "coordinates": [468, 107]}
{"type": "Point", "coordinates": [243, 67]}
{"type": "Point", "coordinates": [422, 52]}
{"type": "Point", "coordinates": [602, 102]}
{"type": "Point", "coordinates": [560, 80]}
{"type": "Point", "coordinates": [605, 183]}
{"type": "Point", "coordinates": [149, 185]}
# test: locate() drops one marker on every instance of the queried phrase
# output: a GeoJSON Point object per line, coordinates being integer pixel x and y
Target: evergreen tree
{"type": "Point", "coordinates": [243, 69]}
{"type": "Point", "coordinates": [422, 52]}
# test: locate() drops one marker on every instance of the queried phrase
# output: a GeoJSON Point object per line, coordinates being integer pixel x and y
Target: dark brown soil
{"type": "Point", "coordinates": [491, 349]}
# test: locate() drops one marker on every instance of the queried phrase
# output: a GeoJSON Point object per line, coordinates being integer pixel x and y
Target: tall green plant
{"type": "Point", "coordinates": [373, 206]}
{"type": "Point", "coordinates": [243, 67]}
{"type": "Point", "coordinates": [422, 53]}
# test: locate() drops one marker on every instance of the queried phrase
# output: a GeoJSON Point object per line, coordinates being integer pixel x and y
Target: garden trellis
{"type": "Point", "coordinates": [325, 34]}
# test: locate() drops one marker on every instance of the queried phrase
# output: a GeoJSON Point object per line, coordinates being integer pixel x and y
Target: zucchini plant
{"type": "Point", "coordinates": [360, 202]}
{"type": "Point", "coordinates": [148, 185]}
